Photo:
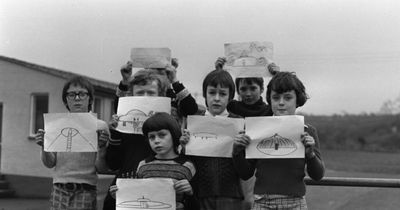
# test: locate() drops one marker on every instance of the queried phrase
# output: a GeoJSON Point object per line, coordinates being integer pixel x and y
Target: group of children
{"type": "Point", "coordinates": [200, 182]}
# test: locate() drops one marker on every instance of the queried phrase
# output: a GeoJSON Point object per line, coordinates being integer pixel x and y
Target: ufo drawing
{"type": "Point", "coordinates": [205, 136]}
{"type": "Point", "coordinates": [65, 138]}
{"type": "Point", "coordinates": [276, 145]}
{"type": "Point", "coordinates": [144, 203]}
{"type": "Point", "coordinates": [134, 118]}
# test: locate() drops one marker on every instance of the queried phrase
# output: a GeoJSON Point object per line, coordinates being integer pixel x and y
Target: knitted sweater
{"type": "Point", "coordinates": [282, 176]}
{"type": "Point", "coordinates": [216, 177]}
{"type": "Point", "coordinates": [125, 151]}
{"type": "Point", "coordinates": [177, 169]}
{"type": "Point", "coordinates": [260, 108]}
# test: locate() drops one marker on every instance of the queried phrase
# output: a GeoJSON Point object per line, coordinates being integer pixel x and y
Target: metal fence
{"type": "Point", "coordinates": [355, 182]}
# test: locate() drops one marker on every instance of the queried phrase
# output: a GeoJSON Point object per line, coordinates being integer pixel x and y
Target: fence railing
{"type": "Point", "coordinates": [355, 182]}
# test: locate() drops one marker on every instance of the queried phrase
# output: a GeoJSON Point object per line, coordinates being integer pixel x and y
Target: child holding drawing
{"type": "Point", "coordinates": [163, 133]}
{"type": "Point", "coordinates": [217, 185]}
{"type": "Point", "coordinates": [125, 151]}
{"type": "Point", "coordinates": [75, 177]}
{"type": "Point", "coordinates": [182, 102]}
{"type": "Point", "coordinates": [279, 182]}
{"type": "Point", "coordinates": [250, 104]}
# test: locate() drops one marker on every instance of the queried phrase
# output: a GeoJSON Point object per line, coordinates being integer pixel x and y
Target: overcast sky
{"type": "Point", "coordinates": [347, 52]}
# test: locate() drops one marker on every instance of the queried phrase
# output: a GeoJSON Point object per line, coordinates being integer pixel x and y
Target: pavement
{"type": "Point", "coordinates": [35, 203]}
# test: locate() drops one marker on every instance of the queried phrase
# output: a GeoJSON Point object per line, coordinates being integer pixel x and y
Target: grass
{"type": "Point", "coordinates": [358, 161]}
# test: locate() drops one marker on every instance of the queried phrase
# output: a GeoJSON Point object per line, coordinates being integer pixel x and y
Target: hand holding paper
{"type": "Point", "coordinates": [240, 142]}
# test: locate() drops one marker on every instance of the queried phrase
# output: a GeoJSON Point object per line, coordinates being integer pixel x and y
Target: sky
{"type": "Point", "coordinates": [346, 52]}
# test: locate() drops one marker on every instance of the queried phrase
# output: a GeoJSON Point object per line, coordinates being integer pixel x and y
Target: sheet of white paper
{"type": "Point", "coordinates": [275, 137]}
{"type": "Point", "coordinates": [70, 132]}
{"type": "Point", "coordinates": [150, 57]}
{"type": "Point", "coordinates": [134, 110]}
{"type": "Point", "coordinates": [154, 193]}
{"type": "Point", "coordinates": [212, 136]}
{"type": "Point", "coordinates": [248, 59]}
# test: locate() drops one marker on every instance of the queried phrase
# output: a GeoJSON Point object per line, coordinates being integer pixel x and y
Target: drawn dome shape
{"type": "Point", "coordinates": [245, 61]}
{"type": "Point", "coordinates": [144, 203]}
{"type": "Point", "coordinates": [134, 116]}
{"type": "Point", "coordinates": [205, 135]}
{"type": "Point", "coordinates": [276, 145]}
{"type": "Point", "coordinates": [69, 132]}
{"type": "Point", "coordinates": [66, 137]}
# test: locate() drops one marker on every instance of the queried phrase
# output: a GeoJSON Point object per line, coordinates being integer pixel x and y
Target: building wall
{"type": "Point", "coordinates": [20, 155]}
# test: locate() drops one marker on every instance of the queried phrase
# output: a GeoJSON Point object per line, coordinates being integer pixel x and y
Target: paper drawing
{"type": "Point", "coordinates": [133, 111]}
{"type": "Point", "coordinates": [150, 57]}
{"type": "Point", "coordinates": [276, 145]}
{"type": "Point", "coordinates": [275, 137]}
{"type": "Point", "coordinates": [153, 193]}
{"type": "Point", "coordinates": [144, 203]}
{"type": "Point", "coordinates": [212, 136]}
{"type": "Point", "coordinates": [248, 59]}
{"type": "Point", "coordinates": [70, 132]}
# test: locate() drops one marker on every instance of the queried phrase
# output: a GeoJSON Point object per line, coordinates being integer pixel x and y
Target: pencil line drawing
{"type": "Point", "coordinates": [205, 135]}
{"type": "Point", "coordinates": [276, 145]}
{"type": "Point", "coordinates": [134, 119]}
{"type": "Point", "coordinates": [69, 134]}
{"type": "Point", "coordinates": [251, 55]}
{"type": "Point", "coordinates": [144, 203]}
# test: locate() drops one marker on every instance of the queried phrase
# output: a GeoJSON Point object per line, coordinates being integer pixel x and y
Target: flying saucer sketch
{"type": "Point", "coordinates": [276, 145]}
{"type": "Point", "coordinates": [205, 135]}
{"type": "Point", "coordinates": [144, 203]}
{"type": "Point", "coordinates": [69, 135]}
{"type": "Point", "coordinates": [134, 120]}
{"type": "Point", "coordinates": [248, 54]}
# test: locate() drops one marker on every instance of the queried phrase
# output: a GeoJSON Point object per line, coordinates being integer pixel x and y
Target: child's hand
{"type": "Point", "coordinates": [113, 190]}
{"type": "Point", "coordinates": [113, 122]}
{"type": "Point", "coordinates": [103, 137]}
{"type": "Point", "coordinates": [171, 73]}
{"type": "Point", "coordinates": [183, 186]}
{"type": "Point", "coordinates": [309, 143]}
{"type": "Point", "coordinates": [175, 62]}
{"type": "Point", "coordinates": [273, 68]}
{"type": "Point", "coordinates": [240, 142]}
{"type": "Point", "coordinates": [39, 137]}
{"type": "Point", "coordinates": [126, 72]}
{"type": "Point", "coordinates": [219, 63]}
{"type": "Point", "coordinates": [185, 138]}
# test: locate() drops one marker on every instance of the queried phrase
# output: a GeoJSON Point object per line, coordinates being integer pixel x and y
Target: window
{"type": "Point", "coordinates": [40, 105]}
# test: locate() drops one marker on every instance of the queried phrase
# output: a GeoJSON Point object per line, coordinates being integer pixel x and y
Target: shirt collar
{"type": "Point", "coordinates": [223, 114]}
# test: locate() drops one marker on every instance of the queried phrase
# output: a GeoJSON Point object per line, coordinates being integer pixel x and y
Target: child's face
{"type": "Point", "coordinates": [249, 93]}
{"type": "Point", "coordinates": [162, 144]}
{"type": "Point", "coordinates": [150, 89]}
{"type": "Point", "coordinates": [283, 104]}
{"type": "Point", "coordinates": [217, 99]}
{"type": "Point", "coordinates": [77, 99]}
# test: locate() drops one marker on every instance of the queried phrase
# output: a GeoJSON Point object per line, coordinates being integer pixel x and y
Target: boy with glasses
{"type": "Point", "coordinates": [75, 173]}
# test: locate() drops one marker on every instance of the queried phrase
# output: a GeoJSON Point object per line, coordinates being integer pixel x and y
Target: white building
{"type": "Point", "coordinates": [27, 91]}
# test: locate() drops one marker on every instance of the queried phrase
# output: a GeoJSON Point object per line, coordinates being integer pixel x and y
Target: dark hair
{"type": "Point", "coordinates": [78, 81]}
{"type": "Point", "coordinates": [162, 120]}
{"type": "Point", "coordinates": [249, 80]}
{"type": "Point", "coordinates": [219, 77]}
{"type": "Point", "coordinates": [283, 82]}
{"type": "Point", "coordinates": [145, 77]}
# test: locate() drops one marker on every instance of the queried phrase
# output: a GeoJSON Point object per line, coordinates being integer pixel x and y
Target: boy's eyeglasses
{"type": "Point", "coordinates": [72, 95]}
